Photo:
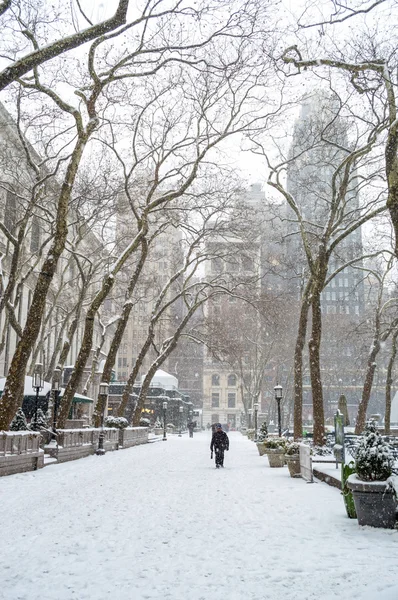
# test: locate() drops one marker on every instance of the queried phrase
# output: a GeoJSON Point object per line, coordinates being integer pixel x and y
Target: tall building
{"type": "Point", "coordinates": [320, 144]}
{"type": "Point", "coordinates": [164, 259]}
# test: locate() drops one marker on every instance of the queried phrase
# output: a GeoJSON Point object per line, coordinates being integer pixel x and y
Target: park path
{"type": "Point", "coordinates": [159, 522]}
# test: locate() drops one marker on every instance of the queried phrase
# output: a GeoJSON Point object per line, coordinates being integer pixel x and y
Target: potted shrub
{"type": "Point", "coordinates": [292, 457]}
{"type": "Point", "coordinates": [250, 434]}
{"type": "Point", "coordinates": [262, 436]}
{"type": "Point", "coordinates": [275, 450]}
{"type": "Point", "coordinates": [372, 485]}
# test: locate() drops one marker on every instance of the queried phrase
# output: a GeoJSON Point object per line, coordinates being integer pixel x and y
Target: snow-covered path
{"type": "Point", "coordinates": [160, 522]}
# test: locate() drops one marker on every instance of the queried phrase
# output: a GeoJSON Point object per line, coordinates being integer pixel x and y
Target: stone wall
{"type": "Point", "coordinates": [19, 452]}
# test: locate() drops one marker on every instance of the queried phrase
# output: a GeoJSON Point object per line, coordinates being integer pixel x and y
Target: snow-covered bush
{"type": "Point", "coordinates": [322, 451]}
{"type": "Point", "coordinates": [144, 422]}
{"type": "Point", "coordinates": [374, 459]}
{"type": "Point", "coordinates": [158, 424]}
{"type": "Point", "coordinates": [19, 421]}
{"type": "Point", "coordinates": [263, 432]}
{"type": "Point", "coordinates": [275, 443]}
{"type": "Point", "coordinates": [292, 449]}
{"type": "Point", "coordinates": [40, 422]}
{"type": "Point", "coordinates": [118, 422]}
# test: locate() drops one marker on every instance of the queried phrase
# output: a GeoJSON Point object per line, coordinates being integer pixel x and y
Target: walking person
{"type": "Point", "coordinates": [219, 443]}
{"type": "Point", "coordinates": [191, 426]}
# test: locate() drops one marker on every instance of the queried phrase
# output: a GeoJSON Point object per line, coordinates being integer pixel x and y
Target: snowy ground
{"type": "Point", "coordinates": [159, 522]}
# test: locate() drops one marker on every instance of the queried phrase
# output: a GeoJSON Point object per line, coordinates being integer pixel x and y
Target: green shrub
{"type": "Point", "coordinates": [374, 459]}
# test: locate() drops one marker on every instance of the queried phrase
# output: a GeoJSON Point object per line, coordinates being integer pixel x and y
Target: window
{"type": "Point", "coordinates": [231, 380]}
{"type": "Point", "coordinates": [231, 400]}
{"type": "Point", "coordinates": [215, 400]}
{"type": "Point", "coordinates": [333, 295]}
{"type": "Point", "coordinates": [215, 418]}
{"type": "Point", "coordinates": [327, 295]}
{"type": "Point", "coordinates": [215, 380]}
{"type": "Point", "coordinates": [10, 213]}
{"type": "Point", "coordinates": [347, 310]}
{"type": "Point", "coordinates": [35, 235]}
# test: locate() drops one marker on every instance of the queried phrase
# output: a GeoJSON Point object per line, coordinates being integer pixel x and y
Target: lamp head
{"type": "Point", "coordinates": [38, 376]}
{"type": "Point", "coordinates": [278, 392]}
{"type": "Point", "coordinates": [56, 381]}
{"type": "Point", "coordinates": [164, 405]}
{"type": "Point", "coordinates": [103, 388]}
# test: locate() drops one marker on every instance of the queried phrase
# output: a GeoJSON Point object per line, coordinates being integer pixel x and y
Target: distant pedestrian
{"type": "Point", "coordinates": [208, 426]}
{"type": "Point", "coordinates": [191, 426]}
{"type": "Point", "coordinates": [219, 443]}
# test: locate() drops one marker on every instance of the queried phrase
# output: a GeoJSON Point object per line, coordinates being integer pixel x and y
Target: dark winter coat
{"type": "Point", "coordinates": [219, 440]}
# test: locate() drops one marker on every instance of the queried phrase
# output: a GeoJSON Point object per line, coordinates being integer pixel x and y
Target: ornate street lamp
{"type": "Point", "coordinates": [103, 398]}
{"type": "Point", "coordinates": [56, 388]}
{"type": "Point", "coordinates": [164, 421]}
{"type": "Point", "coordinates": [255, 406]}
{"type": "Point", "coordinates": [180, 410]}
{"type": "Point", "coordinates": [37, 384]}
{"type": "Point", "coordinates": [278, 397]}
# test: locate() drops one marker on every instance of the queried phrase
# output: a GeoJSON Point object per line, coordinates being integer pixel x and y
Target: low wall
{"type": "Point", "coordinates": [19, 452]}
{"type": "Point", "coordinates": [77, 443]}
{"type": "Point", "coordinates": [133, 436]}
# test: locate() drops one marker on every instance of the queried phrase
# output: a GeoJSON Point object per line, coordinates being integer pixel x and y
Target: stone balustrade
{"type": "Point", "coordinates": [20, 451]}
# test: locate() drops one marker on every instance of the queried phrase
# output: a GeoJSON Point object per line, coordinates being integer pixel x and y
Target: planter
{"type": "Point", "coordinates": [276, 458]}
{"type": "Point", "coordinates": [293, 464]}
{"type": "Point", "coordinates": [260, 448]}
{"type": "Point", "coordinates": [375, 502]}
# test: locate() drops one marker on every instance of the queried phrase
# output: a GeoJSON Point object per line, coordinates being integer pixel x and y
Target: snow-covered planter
{"type": "Point", "coordinates": [373, 486]}
{"type": "Point", "coordinates": [250, 434]}
{"type": "Point", "coordinates": [118, 422]}
{"type": "Point", "coordinates": [292, 458]}
{"type": "Point", "coordinates": [275, 450]}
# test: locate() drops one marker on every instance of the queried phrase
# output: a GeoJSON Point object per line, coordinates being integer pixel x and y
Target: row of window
{"type": "Point", "coordinates": [215, 380]}
{"type": "Point", "coordinates": [231, 400]}
{"type": "Point", "coordinates": [331, 309]}
{"type": "Point", "coordinates": [341, 295]}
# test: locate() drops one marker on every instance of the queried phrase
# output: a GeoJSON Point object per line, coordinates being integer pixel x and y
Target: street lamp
{"type": "Point", "coordinates": [56, 388]}
{"type": "Point", "coordinates": [250, 413]}
{"type": "Point", "coordinates": [180, 410]}
{"type": "Point", "coordinates": [255, 406]}
{"type": "Point", "coordinates": [37, 385]}
{"type": "Point", "coordinates": [278, 397]}
{"type": "Point", "coordinates": [103, 399]}
{"type": "Point", "coordinates": [164, 421]}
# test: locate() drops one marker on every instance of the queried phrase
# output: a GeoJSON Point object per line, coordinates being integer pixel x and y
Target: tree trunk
{"type": "Point", "coordinates": [315, 371]}
{"type": "Point", "coordinates": [13, 389]}
{"type": "Point", "coordinates": [389, 382]}
{"type": "Point", "coordinates": [298, 366]}
{"type": "Point", "coordinates": [367, 388]}
{"type": "Point", "coordinates": [122, 323]}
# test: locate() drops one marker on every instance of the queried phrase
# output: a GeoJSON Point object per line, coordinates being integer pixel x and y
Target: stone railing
{"type": "Point", "coordinates": [76, 443]}
{"type": "Point", "coordinates": [132, 436]}
{"type": "Point", "coordinates": [20, 451]}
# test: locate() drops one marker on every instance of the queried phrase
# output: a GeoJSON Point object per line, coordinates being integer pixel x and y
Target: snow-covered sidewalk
{"type": "Point", "coordinates": [159, 522]}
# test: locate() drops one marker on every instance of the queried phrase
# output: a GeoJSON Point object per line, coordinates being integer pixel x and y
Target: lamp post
{"type": "Point", "coordinates": [164, 421]}
{"type": "Point", "coordinates": [278, 397]}
{"type": "Point", "coordinates": [250, 413]}
{"type": "Point", "coordinates": [255, 406]}
{"type": "Point", "coordinates": [103, 398]}
{"type": "Point", "coordinates": [56, 388]}
{"type": "Point", "coordinates": [37, 385]}
{"type": "Point", "coordinates": [180, 410]}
